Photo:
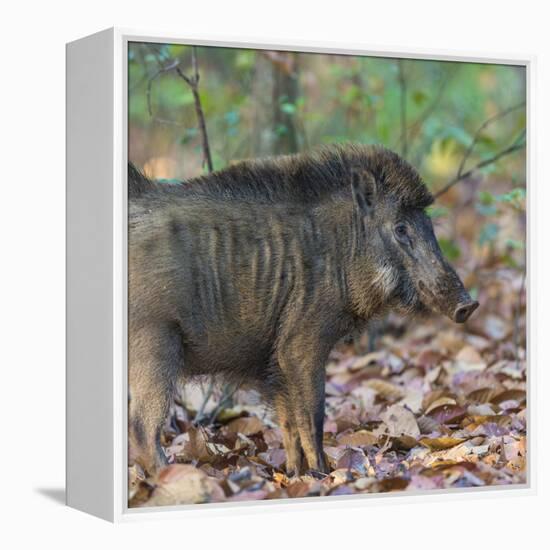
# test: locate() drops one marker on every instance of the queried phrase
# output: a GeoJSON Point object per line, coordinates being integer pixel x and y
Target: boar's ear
{"type": "Point", "coordinates": [363, 189]}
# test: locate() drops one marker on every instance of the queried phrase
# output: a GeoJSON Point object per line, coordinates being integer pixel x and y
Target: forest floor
{"type": "Point", "coordinates": [438, 406]}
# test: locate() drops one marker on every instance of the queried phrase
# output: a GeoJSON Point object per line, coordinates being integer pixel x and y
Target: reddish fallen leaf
{"type": "Point", "coordinates": [445, 400]}
{"type": "Point", "coordinates": [448, 414]}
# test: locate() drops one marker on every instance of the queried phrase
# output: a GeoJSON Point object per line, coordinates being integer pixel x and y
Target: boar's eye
{"type": "Point", "coordinates": [401, 233]}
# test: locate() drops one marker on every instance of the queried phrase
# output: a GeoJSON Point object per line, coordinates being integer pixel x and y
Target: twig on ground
{"type": "Point", "coordinates": [225, 399]}
{"type": "Point", "coordinates": [207, 395]}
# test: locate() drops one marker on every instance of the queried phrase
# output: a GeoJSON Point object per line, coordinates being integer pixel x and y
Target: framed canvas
{"type": "Point", "coordinates": [297, 275]}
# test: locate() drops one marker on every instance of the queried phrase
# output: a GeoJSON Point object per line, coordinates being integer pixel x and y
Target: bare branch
{"type": "Point", "coordinates": [518, 144]}
{"type": "Point", "coordinates": [193, 83]}
{"type": "Point", "coordinates": [489, 121]}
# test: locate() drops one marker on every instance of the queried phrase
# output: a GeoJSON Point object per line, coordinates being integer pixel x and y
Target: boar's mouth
{"type": "Point", "coordinates": [427, 296]}
{"type": "Point", "coordinates": [458, 312]}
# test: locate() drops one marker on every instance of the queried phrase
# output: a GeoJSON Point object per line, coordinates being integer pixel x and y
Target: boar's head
{"type": "Point", "coordinates": [400, 250]}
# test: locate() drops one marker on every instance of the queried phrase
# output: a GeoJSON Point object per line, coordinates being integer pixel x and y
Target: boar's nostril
{"type": "Point", "coordinates": [463, 311]}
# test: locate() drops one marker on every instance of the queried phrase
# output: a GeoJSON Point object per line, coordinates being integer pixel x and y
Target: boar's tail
{"type": "Point", "coordinates": [138, 184]}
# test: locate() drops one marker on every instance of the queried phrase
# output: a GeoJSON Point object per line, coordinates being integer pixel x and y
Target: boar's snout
{"type": "Point", "coordinates": [464, 310]}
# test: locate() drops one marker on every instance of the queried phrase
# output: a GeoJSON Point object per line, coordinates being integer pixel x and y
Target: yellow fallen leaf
{"type": "Point", "coordinates": [441, 443]}
{"type": "Point", "coordinates": [385, 389]}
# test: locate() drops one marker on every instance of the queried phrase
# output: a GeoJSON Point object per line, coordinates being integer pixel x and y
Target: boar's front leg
{"type": "Point", "coordinates": [155, 358]}
{"type": "Point", "coordinates": [291, 437]}
{"type": "Point", "coordinates": [303, 367]}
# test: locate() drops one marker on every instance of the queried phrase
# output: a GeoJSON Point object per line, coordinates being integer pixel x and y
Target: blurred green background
{"type": "Point", "coordinates": [444, 117]}
{"type": "Point", "coordinates": [262, 103]}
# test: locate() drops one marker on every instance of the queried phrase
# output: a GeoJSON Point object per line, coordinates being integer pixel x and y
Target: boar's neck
{"type": "Point", "coordinates": [370, 278]}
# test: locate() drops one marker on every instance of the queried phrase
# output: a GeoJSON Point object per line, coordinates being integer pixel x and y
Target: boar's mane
{"type": "Point", "coordinates": [304, 178]}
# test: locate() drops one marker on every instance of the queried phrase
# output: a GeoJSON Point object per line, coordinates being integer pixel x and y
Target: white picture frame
{"type": "Point", "coordinates": [96, 174]}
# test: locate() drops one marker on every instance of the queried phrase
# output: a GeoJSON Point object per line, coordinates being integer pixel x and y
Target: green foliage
{"type": "Point", "coordinates": [488, 233]}
{"type": "Point", "coordinates": [450, 249]}
{"type": "Point", "coordinates": [436, 211]}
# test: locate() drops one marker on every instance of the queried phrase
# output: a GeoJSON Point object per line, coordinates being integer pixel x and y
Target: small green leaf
{"type": "Point", "coordinates": [488, 233]}
{"type": "Point", "coordinates": [232, 117]}
{"type": "Point", "coordinates": [514, 196]}
{"type": "Point", "coordinates": [450, 249]}
{"type": "Point", "coordinates": [288, 108]}
{"type": "Point", "coordinates": [458, 134]}
{"type": "Point", "coordinates": [435, 212]}
{"type": "Point", "coordinates": [486, 209]}
{"type": "Point", "coordinates": [419, 97]}
{"type": "Point", "coordinates": [486, 198]}
{"type": "Point", "coordinates": [516, 245]}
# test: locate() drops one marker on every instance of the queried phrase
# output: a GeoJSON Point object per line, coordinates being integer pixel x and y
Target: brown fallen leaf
{"type": "Point", "coordinates": [448, 414]}
{"type": "Point", "coordinates": [361, 438]}
{"type": "Point", "coordinates": [184, 484]}
{"type": "Point", "coordinates": [385, 389]}
{"type": "Point", "coordinates": [510, 395]}
{"type": "Point", "coordinates": [427, 425]}
{"type": "Point", "coordinates": [495, 327]}
{"type": "Point", "coordinates": [468, 359]}
{"type": "Point", "coordinates": [368, 359]}
{"type": "Point", "coordinates": [353, 459]}
{"type": "Point", "coordinates": [440, 402]}
{"type": "Point", "coordinates": [483, 395]}
{"type": "Point", "coordinates": [428, 358]}
{"type": "Point", "coordinates": [301, 487]}
{"type": "Point", "coordinates": [246, 425]}
{"type": "Point", "coordinates": [403, 442]}
{"type": "Point", "coordinates": [400, 421]}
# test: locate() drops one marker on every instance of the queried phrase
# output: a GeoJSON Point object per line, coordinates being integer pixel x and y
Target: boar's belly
{"type": "Point", "coordinates": [237, 357]}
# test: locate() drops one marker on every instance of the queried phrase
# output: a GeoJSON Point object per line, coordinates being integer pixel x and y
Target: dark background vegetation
{"type": "Point", "coordinates": [458, 392]}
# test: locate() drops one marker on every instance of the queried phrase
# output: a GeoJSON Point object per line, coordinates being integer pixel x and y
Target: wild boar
{"type": "Point", "coordinates": [254, 273]}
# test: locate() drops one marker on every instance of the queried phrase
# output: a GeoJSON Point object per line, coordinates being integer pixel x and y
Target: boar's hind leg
{"type": "Point", "coordinates": [291, 438]}
{"type": "Point", "coordinates": [155, 358]}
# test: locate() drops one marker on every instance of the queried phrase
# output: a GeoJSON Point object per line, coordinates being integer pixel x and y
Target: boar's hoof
{"type": "Point", "coordinates": [463, 311]}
